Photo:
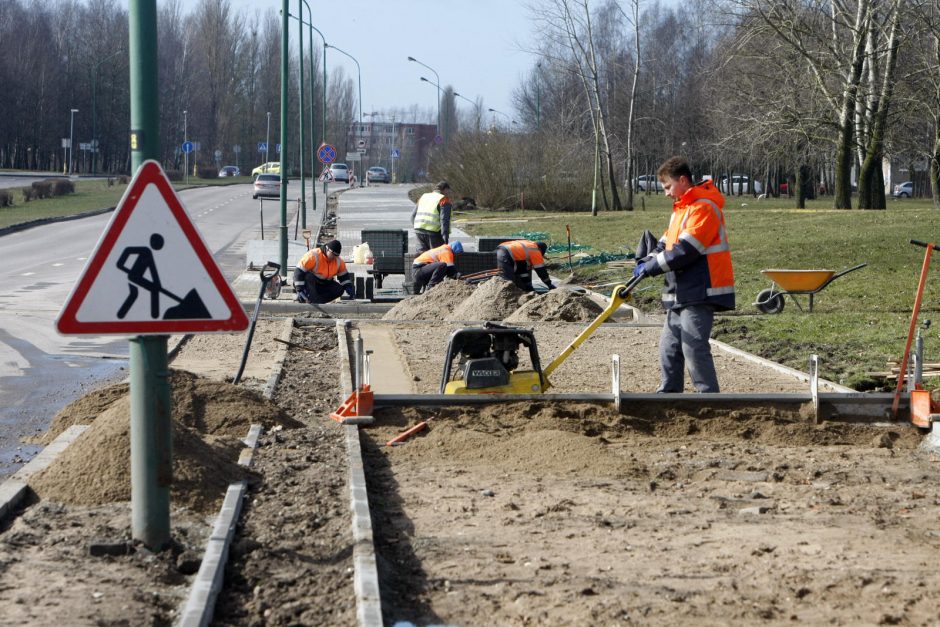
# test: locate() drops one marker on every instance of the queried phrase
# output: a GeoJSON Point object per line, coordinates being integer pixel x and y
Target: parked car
{"type": "Point", "coordinates": [377, 174]}
{"type": "Point", "coordinates": [740, 185]}
{"type": "Point", "coordinates": [648, 182]}
{"type": "Point", "coordinates": [271, 167]}
{"type": "Point", "coordinates": [267, 185]}
{"type": "Point", "coordinates": [340, 172]}
{"type": "Point", "coordinates": [230, 170]}
{"type": "Point", "coordinates": [903, 190]}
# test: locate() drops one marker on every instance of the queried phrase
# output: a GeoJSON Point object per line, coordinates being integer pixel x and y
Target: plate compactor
{"type": "Point", "coordinates": [487, 356]}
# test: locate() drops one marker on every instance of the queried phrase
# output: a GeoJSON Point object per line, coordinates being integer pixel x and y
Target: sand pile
{"type": "Point", "coordinates": [96, 468]}
{"type": "Point", "coordinates": [493, 299]}
{"type": "Point", "coordinates": [557, 305]}
{"type": "Point", "coordinates": [434, 304]}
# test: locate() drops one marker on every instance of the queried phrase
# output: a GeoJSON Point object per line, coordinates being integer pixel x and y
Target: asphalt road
{"type": "Point", "coordinates": [42, 371]}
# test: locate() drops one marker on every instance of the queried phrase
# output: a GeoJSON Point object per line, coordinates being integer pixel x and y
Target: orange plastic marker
{"type": "Point", "coordinates": [401, 437]}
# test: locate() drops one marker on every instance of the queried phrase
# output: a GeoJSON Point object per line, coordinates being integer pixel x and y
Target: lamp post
{"type": "Point", "coordinates": [359, 71]}
{"type": "Point", "coordinates": [438, 90]}
{"type": "Point", "coordinates": [500, 113]}
{"type": "Point", "coordinates": [71, 139]}
{"type": "Point", "coordinates": [538, 96]}
{"type": "Point", "coordinates": [94, 111]}
{"type": "Point", "coordinates": [267, 142]}
{"type": "Point", "coordinates": [313, 109]}
{"type": "Point", "coordinates": [186, 139]}
{"type": "Point", "coordinates": [300, 129]}
{"type": "Point", "coordinates": [475, 106]}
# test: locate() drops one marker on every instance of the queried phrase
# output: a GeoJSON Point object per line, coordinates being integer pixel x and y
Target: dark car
{"type": "Point", "coordinates": [230, 170]}
{"type": "Point", "coordinates": [377, 174]}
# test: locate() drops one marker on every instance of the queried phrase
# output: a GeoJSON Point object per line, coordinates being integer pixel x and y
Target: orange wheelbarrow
{"type": "Point", "coordinates": [790, 282]}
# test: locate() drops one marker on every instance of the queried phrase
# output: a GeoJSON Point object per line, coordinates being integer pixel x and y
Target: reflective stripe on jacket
{"type": "Point", "coordinates": [524, 250]}
{"type": "Point", "coordinates": [441, 253]}
{"type": "Point", "coordinates": [428, 216]}
{"type": "Point", "coordinates": [315, 261]}
{"type": "Point", "coordinates": [694, 253]}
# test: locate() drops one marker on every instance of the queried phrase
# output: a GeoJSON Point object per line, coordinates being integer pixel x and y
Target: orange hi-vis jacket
{"type": "Point", "coordinates": [441, 253]}
{"type": "Point", "coordinates": [694, 253]}
{"type": "Point", "coordinates": [315, 261]}
{"type": "Point", "coordinates": [525, 250]}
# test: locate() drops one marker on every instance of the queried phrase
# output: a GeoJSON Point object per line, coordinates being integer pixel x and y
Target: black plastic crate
{"type": "Point", "coordinates": [466, 262]}
{"type": "Point", "coordinates": [389, 264]}
{"type": "Point", "coordinates": [386, 242]}
{"type": "Point", "coordinates": [490, 242]}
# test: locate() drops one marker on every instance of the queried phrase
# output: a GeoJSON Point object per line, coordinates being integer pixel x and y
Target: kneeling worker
{"type": "Point", "coordinates": [321, 276]}
{"type": "Point", "coordinates": [517, 259]}
{"type": "Point", "coordinates": [431, 266]}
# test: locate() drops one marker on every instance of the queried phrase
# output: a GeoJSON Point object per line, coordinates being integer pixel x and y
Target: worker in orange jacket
{"type": "Point", "coordinates": [431, 266]}
{"type": "Point", "coordinates": [321, 276]}
{"type": "Point", "coordinates": [695, 258]}
{"type": "Point", "coordinates": [517, 259]}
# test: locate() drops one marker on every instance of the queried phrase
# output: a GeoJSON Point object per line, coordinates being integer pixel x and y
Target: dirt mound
{"type": "Point", "coordinates": [207, 406]}
{"type": "Point", "coordinates": [493, 299]}
{"type": "Point", "coordinates": [433, 304]}
{"type": "Point", "coordinates": [559, 305]}
{"type": "Point", "coordinates": [96, 468]}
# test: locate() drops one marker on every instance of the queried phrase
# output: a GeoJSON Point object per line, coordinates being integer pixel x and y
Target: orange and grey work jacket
{"type": "Point", "coordinates": [527, 251]}
{"type": "Point", "coordinates": [441, 253]}
{"type": "Point", "coordinates": [315, 262]}
{"type": "Point", "coordinates": [694, 253]}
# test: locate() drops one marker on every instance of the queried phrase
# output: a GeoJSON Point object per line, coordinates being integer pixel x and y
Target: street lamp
{"type": "Point", "coordinates": [94, 111]}
{"type": "Point", "coordinates": [71, 138]}
{"type": "Point", "coordinates": [267, 142]}
{"type": "Point", "coordinates": [438, 90]}
{"type": "Point", "coordinates": [475, 106]}
{"type": "Point", "coordinates": [538, 96]}
{"type": "Point", "coordinates": [500, 113]}
{"type": "Point", "coordinates": [359, 71]}
{"type": "Point", "coordinates": [185, 139]}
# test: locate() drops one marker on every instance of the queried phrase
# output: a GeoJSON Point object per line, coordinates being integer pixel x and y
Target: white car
{"type": "Point", "coordinates": [903, 190]}
{"type": "Point", "coordinates": [267, 185]}
{"type": "Point", "coordinates": [340, 172]}
{"type": "Point", "coordinates": [740, 185]}
{"type": "Point", "coordinates": [648, 182]}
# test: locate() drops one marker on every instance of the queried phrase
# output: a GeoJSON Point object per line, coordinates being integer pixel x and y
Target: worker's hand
{"type": "Point", "coordinates": [350, 291]}
{"type": "Point", "coordinates": [639, 270]}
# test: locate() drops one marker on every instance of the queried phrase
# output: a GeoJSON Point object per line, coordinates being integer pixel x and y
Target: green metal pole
{"type": "Point", "coordinates": [151, 441]}
{"type": "Point", "coordinates": [313, 115]}
{"type": "Point", "coordinates": [300, 135]}
{"type": "Point", "coordinates": [285, 35]}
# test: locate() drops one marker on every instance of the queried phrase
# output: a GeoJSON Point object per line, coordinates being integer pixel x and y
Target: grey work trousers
{"type": "Point", "coordinates": [684, 344]}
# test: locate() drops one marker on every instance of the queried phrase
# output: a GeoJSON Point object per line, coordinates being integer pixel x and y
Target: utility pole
{"type": "Point", "coordinates": [267, 141]}
{"type": "Point", "coordinates": [285, 80]}
{"type": "Point", "coordinates": [70, 168]}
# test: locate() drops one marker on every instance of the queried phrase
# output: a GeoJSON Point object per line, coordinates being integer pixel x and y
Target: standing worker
{"type": "Point", "coordinates": [517, 259]}
{"type": "Point", "coordinates": [431, 218]}
{"type": "Point", "coordinates": [431, 266]}
{"type": "Point", "coordinates": [321, 277]}
{"type": "Point", "coordinates": [695, 257]}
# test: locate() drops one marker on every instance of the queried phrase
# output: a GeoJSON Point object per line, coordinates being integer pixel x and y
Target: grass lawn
{"type": "Point", "coordinates": [90, 195]}
{"type": "Point", "coordinates": [859, 322]}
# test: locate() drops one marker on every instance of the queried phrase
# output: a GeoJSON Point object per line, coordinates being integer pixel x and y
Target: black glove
{"type": "Point", "coordinates": [350, 291]}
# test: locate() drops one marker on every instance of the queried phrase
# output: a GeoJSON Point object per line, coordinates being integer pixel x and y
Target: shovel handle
{"type": "Point", "coordinates": [917, 242]}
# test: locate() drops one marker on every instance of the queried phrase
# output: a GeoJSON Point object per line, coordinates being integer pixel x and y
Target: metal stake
{"type": "Point", "coordinates": [814, 385]}
{"type": "Point", "coordinates": [615, 379]}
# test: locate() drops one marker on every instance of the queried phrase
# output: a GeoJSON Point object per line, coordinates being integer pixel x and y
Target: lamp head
{"type": "Point", "coordinates": [411, 59]}
{"type": "Point", "coordinates": [425, 80]}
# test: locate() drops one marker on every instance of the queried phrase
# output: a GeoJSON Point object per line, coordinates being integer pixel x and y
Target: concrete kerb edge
{"type": "Point", "coordinates": [22, 226]}
{"type": "Point", "coordinates": [275, 377]}
{"type": "Point", "coordinates": [365, 569]}
{"type": "Point", "coordinates": [15, 488]}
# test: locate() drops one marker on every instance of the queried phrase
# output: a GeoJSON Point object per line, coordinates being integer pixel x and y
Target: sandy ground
{"type": "Point", "coordinates": [523, 514]}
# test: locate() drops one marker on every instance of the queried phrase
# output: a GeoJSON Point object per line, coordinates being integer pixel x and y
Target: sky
{"type": "Point", "coordinates": [476, 46]}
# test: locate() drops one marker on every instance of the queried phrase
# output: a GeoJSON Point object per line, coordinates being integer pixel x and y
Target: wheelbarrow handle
{"type": "Point", "coordinates": [917, 242]}
{"type": "Point", "coordinates": [844, 272]}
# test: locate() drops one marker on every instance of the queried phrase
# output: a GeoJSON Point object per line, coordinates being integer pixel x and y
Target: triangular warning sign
{"type": "Point", "coordinates": [151, 272]}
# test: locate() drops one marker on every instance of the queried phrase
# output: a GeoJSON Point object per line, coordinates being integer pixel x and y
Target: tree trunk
{"type": "Point", "coordinates": [935, 165]}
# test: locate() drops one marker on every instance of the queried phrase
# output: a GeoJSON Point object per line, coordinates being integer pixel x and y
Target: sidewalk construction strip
{"type": "Point", "coordinates": [366, 574]}
{"type": "Point", "coordinates": [14, 489]}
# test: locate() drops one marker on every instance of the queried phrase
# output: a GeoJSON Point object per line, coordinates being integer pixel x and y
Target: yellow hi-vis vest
{"type": "Point", "coordinates": [428, 217]}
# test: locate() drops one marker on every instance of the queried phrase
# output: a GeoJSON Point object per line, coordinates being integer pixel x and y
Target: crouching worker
{"type": "Point", "coordinates": [517, 259]}
{"type": "Point", "coordinates": [321, 277]}
{"type": "Point", "coordinates": [431, 266]}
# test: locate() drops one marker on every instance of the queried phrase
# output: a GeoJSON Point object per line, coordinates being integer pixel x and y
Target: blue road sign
{"type": "Point", "coordinates": [262, 146]}
{"type": "Point", "coordinates": [278, 149]}
{"type": "Point", "coordinates": [395, 153]}
{"type": "Point", "coordinates": [187, 147]}
{"type": "Point", "coordinates": [326, 154]}
{"type": "Point", "coordinates": [438, 139]}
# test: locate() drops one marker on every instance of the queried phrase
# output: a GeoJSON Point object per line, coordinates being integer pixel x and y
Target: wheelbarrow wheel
{"type": "Point", "coordinates": [769, 302]}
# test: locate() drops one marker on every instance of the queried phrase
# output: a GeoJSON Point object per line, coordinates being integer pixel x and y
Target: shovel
{"type": "Point", "coordinates": [267, 273]}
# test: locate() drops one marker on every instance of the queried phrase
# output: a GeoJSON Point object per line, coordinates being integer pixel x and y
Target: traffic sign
{"type": "Point", "coordinates": [353, 156]}
{"type": "Point", "coordinates": [187, 147]}
{"type": "Point", "coordinates": [395, 153]}
{"type": "Point", "coordinates": [438, 139]}
{"type": "Point", "coordinates": [278, 149]}
{"type": "Point", "coordinates": [151, 273]}
{"type": "Point", "coordinates": [262, 146]}
{"type": "Point", "coordinates": [326, 154]}
{"type": "Point", "coordinates": [236, 149]}
{"type": "Point", "coordinates": [218, 154]}
{"type": "Point", "coordinates": [361, 143]}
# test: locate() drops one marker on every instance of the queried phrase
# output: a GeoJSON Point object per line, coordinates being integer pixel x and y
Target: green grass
{"type": "Point", "coordinates": [859, 321]}
{"type": "Point", "coordinates": [89, 196]}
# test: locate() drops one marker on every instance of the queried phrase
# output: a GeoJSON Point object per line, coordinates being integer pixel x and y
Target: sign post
{"type": "Point", "coordinates": [326, 154]}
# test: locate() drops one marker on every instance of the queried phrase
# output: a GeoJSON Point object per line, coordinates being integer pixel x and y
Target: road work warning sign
{"type": "Point", "coordinates": [151, 272]}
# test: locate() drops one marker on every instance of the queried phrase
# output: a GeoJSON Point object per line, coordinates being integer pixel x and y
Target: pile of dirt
{"type": "Point", "coordinates": [212, 407]}
{"type": "Point", "coordinates": [429, 306]}
{"type": "Point", "coordinates": [96, 468]}
{"type": "Point", "coordinates": [558, 305]}
{"type": "Point", "coordinates": [493, 299]}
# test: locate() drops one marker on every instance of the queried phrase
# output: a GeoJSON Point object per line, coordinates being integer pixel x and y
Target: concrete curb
{"type": "Point", "coordinates": [15, 488]}
{"type": "Point", "coordinates": [366, 575]}
{"type": "Point", "coordinates": [275, 377]}
{"type": "Point", "coordinates": [22, 226]}
{"type": "Point", "coordinates": [801, 376]}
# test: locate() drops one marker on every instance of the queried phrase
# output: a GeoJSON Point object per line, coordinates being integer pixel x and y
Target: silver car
{"type": "Point", "coordinates": [268, 186]}
{"type": "Point", "coordinates": [340, 172]}
{"type": "Point", "coordinates": [377, 174]}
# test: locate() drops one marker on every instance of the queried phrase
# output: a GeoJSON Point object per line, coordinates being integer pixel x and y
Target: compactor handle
{"type": "Point", "coordinates": [271, 268]}
{"type": "Point", "coordinates": [917, 242]}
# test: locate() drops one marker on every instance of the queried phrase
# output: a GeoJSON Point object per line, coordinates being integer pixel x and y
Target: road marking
{"type": "Point", "coordinates": [57, 265]}
{"type": "Point", "coordinates": [28, 274]}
